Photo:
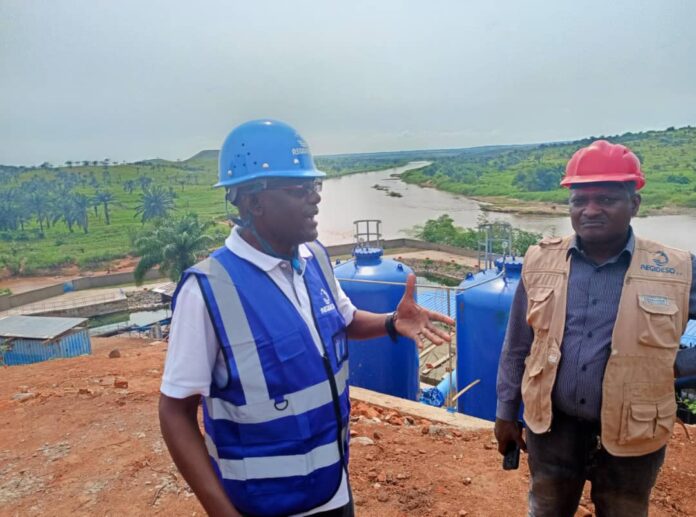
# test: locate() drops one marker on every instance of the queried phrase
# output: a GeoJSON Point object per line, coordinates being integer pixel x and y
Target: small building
{"type": "Point", "coordinates": [32, 339]}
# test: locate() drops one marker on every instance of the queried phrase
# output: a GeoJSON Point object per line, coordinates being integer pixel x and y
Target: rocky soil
{"type": "Point", "coordinates": [81, 437]}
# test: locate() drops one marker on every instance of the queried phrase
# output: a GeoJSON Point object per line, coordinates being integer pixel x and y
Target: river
{"type": "Point", "coordinates": [347, 198]}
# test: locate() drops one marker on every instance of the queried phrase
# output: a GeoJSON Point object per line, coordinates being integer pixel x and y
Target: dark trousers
{"type": "Point", "coordinates": [561, 460]}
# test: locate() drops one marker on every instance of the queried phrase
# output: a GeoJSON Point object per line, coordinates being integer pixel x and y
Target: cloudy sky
{"type": "Point", "coordinates": [135, 79]}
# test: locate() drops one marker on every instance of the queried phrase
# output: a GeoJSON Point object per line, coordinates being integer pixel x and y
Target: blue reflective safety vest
{"type": "Point", "coordinates": [277, 432]}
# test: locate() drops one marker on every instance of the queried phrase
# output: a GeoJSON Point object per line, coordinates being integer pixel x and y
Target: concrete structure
{"type": "Point", "coordinates": [76, 284]}
{"type": "Point", "coordinates": [31, 339]}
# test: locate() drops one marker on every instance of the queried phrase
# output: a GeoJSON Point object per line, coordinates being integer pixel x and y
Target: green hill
{"type": "Point", "coordinates": [56, 216]}
{"type": "Point", "coordinates": [532, 173]}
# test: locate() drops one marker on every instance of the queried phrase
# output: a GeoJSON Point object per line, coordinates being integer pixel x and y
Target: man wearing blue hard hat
{"type": "Point", "coordinates": [259, 332]}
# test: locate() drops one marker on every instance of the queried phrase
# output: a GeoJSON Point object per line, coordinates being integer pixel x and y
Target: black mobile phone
{"type": "Point", "coordinates": [511, 459]}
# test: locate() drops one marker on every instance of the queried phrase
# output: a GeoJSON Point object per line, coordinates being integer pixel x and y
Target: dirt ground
{"type": "Point", "coordinates": [80, 437]}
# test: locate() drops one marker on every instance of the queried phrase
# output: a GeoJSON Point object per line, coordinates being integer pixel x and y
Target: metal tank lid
{"type": "Point", "coordinates": [365, 255]}
{"type": "Point", "coordinates": [512, 266]}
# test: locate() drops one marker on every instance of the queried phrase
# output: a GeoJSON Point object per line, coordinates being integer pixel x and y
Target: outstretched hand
{"type": "Point", "coordinates": [414, 321]}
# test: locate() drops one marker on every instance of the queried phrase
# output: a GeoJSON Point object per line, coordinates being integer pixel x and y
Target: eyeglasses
{"type": "Point", "coordinates": [297, 190]}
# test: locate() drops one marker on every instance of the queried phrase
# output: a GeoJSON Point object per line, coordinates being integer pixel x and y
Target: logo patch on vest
{"type": "Point", "coordinates": [659, 265]}
{"type": "Point", "coordinates": [328, 304]}
{"type": "Point", "coordinates": [659, 301]}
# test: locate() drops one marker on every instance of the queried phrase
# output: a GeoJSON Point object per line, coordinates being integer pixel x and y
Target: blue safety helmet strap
{"type": "Point", "coordinates": [264, 148]}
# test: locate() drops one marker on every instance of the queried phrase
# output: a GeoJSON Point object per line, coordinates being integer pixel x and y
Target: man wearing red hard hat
{"type": "Point", "coordinates": [592, 347]}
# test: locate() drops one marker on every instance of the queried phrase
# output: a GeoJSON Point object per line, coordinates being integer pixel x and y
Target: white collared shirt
{"type": "Point", "coordinates": [188, 371]}
{"type": "Point", "coordinates": [194, 357]}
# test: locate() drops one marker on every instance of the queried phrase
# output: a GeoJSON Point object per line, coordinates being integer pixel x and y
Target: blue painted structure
{"type": "Point", "coordinates": [483, 309]}
{"type": "Point", "coordinates": [32, 339]}
{"type": "Point", "coordinates": [379, 364]}
{"type": "Point", "coordinates": [689, 337]}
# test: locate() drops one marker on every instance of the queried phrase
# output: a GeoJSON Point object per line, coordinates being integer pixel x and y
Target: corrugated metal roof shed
{"type": "Point", "coordinates": [37, 327]}
{"type": "Point", "coordinates": [689, 337]}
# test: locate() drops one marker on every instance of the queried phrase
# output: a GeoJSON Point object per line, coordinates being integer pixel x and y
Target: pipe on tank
{"type": "Point", "coordinates": [436, 396]}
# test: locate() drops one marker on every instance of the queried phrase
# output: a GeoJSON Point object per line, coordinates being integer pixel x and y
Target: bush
{"type": "Point", "coordinates": [443, 231]}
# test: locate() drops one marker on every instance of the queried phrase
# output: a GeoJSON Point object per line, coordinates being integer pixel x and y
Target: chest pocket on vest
{"type": "Point", "coordinates": [282, 358]}
{"type": "Point", "coordinates": [539, 307]}
{"type": "Point", "coordinates": [657, 321]}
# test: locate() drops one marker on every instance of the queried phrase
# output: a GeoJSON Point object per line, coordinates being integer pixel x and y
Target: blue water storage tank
{"type": "Point", "coordinates": [483, 308]}
{"type": "Point", "coordinates": [379, 364]}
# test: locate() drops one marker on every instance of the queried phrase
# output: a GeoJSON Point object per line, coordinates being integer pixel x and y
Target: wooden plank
{"type": "Point", "coordinates": [442, 360]}
{"type": "Point", "coordinates": [419, 410]}
{"type": "Point", "coordinates": [426, 351]}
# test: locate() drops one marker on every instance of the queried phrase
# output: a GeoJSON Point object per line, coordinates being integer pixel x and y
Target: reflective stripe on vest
{"type": "Point", "coordinates": [232, 313]}
{"type": "Point", "coordinates": [274, 466]}
{"type": "Point", "coordinates": [324, 264]}
{"type": "Point", "coordinates": [301, 401]}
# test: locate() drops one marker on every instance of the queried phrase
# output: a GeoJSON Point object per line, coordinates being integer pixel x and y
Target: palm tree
{"type": "Point", "coordinates": [63, 209]}
{"type": "Point", "coordinates": [37, 198]}
{"type": "Point", "coordinates": [144, 181]}
{"type": "Point", "coordinates": [155, 202]}
{"type": "Point", "coordinates": [104, 197]}
{"type": "Point", "coordinates": [10, 209]}
{"type": "Point", "coordinates": [173, 245]}
{"type": "Point", "coordinates": [73, 210]}
{"type": "Point", "coordinates": [128, 186]}
{"type": "Point", "coordinates": [80, 209]}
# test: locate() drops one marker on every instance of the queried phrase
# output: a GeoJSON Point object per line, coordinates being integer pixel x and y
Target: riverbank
{"type": "Point", "coordinates": [507, 205]}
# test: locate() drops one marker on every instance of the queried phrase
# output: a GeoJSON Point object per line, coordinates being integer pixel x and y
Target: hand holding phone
{"type": "Point", "coordinates": [511, 458]}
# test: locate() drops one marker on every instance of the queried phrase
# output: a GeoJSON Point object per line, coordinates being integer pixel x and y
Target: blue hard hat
{"type": "Point", "coordinates": [261, 149]}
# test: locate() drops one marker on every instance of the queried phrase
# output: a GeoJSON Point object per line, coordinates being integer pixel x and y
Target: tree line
{"type": "Point", "coordinates": [69, 199]}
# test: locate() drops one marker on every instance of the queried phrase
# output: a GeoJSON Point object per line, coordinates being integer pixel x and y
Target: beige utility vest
{"type": "Point", "coordinates": [638, 406]}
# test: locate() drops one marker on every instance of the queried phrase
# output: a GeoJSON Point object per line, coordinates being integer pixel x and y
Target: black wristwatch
{"type": "Point", "coordinates": [390, 326]}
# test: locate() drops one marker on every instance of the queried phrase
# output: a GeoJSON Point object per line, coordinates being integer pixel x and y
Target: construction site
{"type": "Point", "coordinates": [80, 434]}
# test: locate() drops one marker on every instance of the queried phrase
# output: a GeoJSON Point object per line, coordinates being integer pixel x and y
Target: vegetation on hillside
{"type": "Point", "coordinates": [88, 212]}
{"type": "Point", "coordinates": [532, 173]}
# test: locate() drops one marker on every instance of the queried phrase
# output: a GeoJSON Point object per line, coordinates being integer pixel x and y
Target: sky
{"type": "Point", "coordinates": [138, 79]}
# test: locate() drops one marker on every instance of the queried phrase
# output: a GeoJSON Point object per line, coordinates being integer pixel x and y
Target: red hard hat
{"type": "Point", "coordinates": [603, 161]}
